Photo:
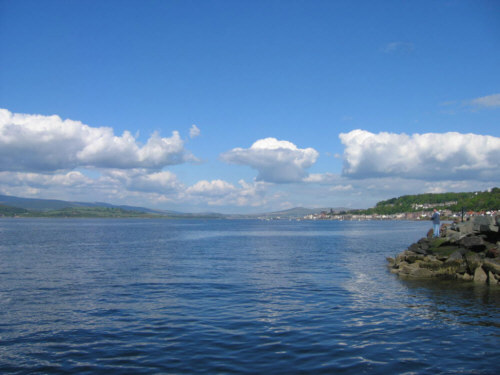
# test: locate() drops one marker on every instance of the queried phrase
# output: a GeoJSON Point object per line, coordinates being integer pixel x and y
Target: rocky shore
{"type": "Point", "coordinates": [468, 251]}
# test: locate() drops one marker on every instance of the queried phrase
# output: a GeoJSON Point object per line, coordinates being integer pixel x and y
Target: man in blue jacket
{"type": "Point", "coordinates": [435, 222]}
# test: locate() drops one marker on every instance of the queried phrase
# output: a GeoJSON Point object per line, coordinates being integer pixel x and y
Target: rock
{"type": "Point", "coordinates": [465, 227]}
{"type": "Point", "coordinates": [493, 253]}
{"type": "Point", "coordinates": [474, 243]}
{"type": "Point", "coordinates": [456, 256]}
{"type": "Point", "coordinates": [467, 251]}
{"type": "Point", "coordinates": [473, 261]}
{"type": "Point", "coordinates": [417, 249]}
{"type": "Point", "coordinates": [480, 276]}
{"type": "Point", "coordinates": [421, 273]}
{"type": "Point", "coordinates": [484, 224]}
{"type": "Point", "coordinates": [456, 262]}
{"type": "Point", "coordinates": [465, 277]}
{"type": "Point", "coordinates": [431, 264]}
{"type": "Point", "coordinates": [492, 265]}
{"type": "Point", "coordinates": [454, 236]}
{"type": "Point", "coordinates": [413, 258]}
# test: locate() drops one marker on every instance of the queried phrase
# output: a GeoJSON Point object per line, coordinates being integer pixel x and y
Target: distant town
{"type": "Point", "coordinates": [446, 214]}
{"type": "Point", "coordinates": [452, 206]}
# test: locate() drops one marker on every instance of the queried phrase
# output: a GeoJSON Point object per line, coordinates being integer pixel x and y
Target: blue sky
{"type": "Point", "coordinates": [294, 103]}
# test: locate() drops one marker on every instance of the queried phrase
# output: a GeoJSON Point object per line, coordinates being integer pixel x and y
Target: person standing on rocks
{"type": "Point", "coordinates": [436, 222]}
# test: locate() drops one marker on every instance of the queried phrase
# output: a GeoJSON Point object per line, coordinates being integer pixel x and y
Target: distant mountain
{"type": "Point", "coordinates": [35, 204]}
{"type": "Point", "coordinates": [46, 205]}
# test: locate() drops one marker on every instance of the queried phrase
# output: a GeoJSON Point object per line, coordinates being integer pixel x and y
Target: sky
{"type": "Point", "coordinates": [248, 106]}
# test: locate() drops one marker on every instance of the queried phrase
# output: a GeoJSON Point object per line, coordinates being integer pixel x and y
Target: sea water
{"type": "Point", "coordinates": [232, 297]}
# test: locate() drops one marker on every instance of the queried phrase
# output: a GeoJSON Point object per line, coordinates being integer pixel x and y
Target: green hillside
{"type": "Point", "coordinates": [90, 212]}
{"type": "Point", "coordinates": [473, 201]}
{"type": "Point", "coordinates": [11, 211]}
{"type": "Point", "coordinates": [97, 212]}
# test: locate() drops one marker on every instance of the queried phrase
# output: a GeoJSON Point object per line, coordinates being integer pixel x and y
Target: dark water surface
{"type": "Point", "coordinates": [217, 296]}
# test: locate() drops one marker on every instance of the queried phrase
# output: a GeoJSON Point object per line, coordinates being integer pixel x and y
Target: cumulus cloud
{"type": "Point", "coordinates": [194, 131]}
{"type": "Point", "coordinates": [446, 156]}
{"type": "Point", "coordinates": [223, 193]}
{"type": "Point", "coordinates": [73, 179]}
{"type": "Point", "coordinates": [48, 143]}
{"type": "Point", "coordinates": [276, 161]}
{"type": "Point", "coordinates": [141, 180]}
{"type": "Point", "coordinates": [490, 101]}
{"type": "Point", "coordinates": [215, 188]}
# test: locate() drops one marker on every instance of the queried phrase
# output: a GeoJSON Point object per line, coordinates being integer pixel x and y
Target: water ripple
{"type": "Point", "coordinates": [235, 297]}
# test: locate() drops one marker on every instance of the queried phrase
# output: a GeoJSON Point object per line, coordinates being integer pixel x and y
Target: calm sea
{"type": "Point", "coordinates": [232, 297]}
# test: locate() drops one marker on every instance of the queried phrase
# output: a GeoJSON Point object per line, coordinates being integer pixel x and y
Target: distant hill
{"type": "Point", "coordinates": [11, 211]}
{"type": "Point", "coordinates": [34, 204]}
{"type": "Point", "coordinates": [471, 201]}
{"type": "Point", "coordinates": [34, 207]}
{"type": "Point", "coordinates": [59, 208]}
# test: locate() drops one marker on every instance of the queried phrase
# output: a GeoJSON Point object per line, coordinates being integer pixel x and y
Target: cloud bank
{"type": "Point", "coordinates": [48, 143]}
{"type": "Point", "coordinates": [276, 161]}
{"type": "Point", "coordinates": [446, 156]}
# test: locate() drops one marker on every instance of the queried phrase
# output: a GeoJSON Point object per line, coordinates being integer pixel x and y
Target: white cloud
{"type": "Point", "coordinates": [399, 47]}
{"type": "Point", "coordinates": [215, 188]}
{"type": "Point", "coordinates": [194, 131]}
{"type": "Point", "coordinates": [490, 101]}
{"type": "Point", "coordinates": [276, 161]}
{"type": "Point", "coordinates": [341, 187]}
{"type": "Point", "coordinates": [140, 180]}
{"type": "Point", "coordinates": [223, 193]}
{"type": "Point", "coordinates": [322, 178]}
{"type": "Point", "coordinates": [73, 179]}
{"type": "Point", "coordinates": [446, 156]}
{"type": "Point", "coordinates": [48, 143]}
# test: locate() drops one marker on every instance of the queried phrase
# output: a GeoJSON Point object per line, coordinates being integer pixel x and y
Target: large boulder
{"type": "Point", "coordinates": [492, 265]}
{"type": "Point", "coordinates": [485, 224]}
{"type": "Point", "coordinates": [480, 276]}
{"type": "Point", "coordinates": [474, 243]}
{"type": "Point", "coordinates": [473, 261]}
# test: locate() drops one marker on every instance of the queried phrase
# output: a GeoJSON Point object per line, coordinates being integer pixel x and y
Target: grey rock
{"type": "Point", "coordinates": [491, 278]}
{"type": "Point", "coordinates": [421, 273]}
{"type": "Point", "coordinates": [473, 261]}
{"type": "Point", "coordinates": [480, 276]}
{"type": "Point", "coordinates": [492, 264]}
{"type": "Point", "coordinates": [474, 243]}
{"type": "Point", "coordinates": [465, 277]}
{"type": "Point", "coordinates": [484, 220]}
{"type": "Point", "coordinates": [455, 257]}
